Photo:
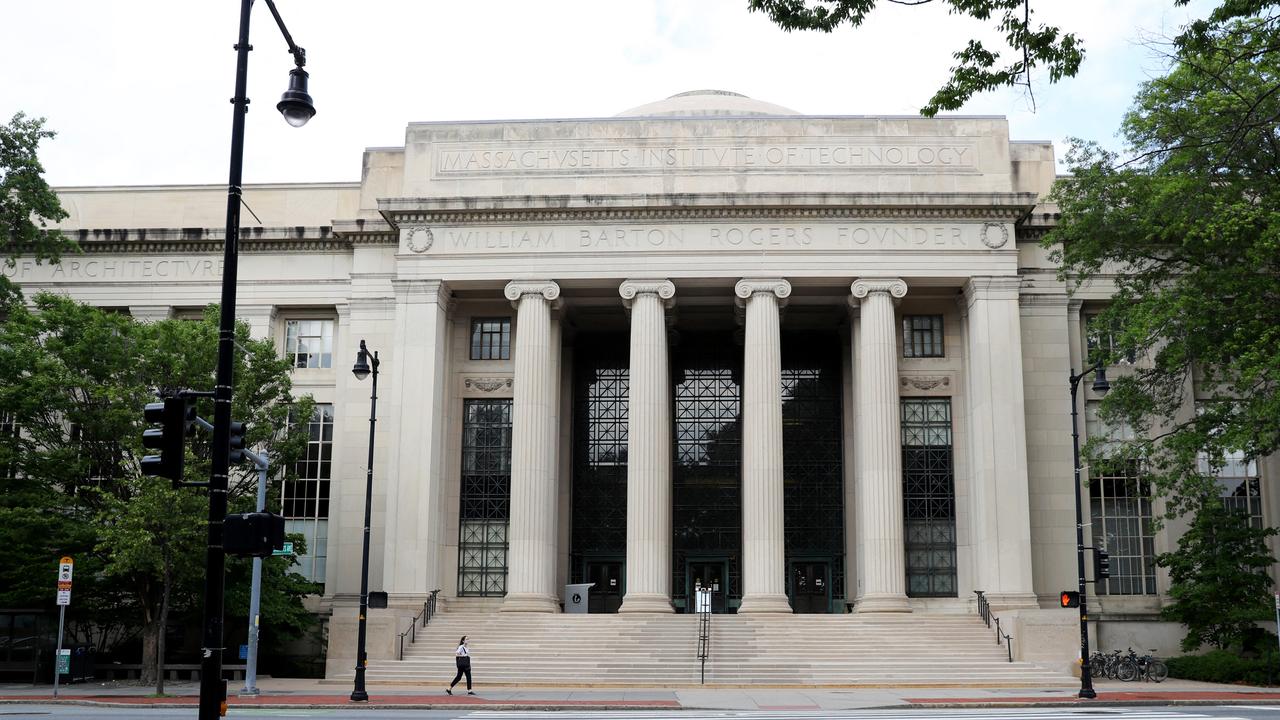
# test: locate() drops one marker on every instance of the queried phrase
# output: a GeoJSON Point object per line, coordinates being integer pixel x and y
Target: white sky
{"type": "Point", "coordinates": [138, 90]}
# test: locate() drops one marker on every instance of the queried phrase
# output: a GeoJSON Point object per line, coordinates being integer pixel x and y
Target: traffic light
{"type": "Point", "coordinates": [237, 442]}
{"type": "Point", "coordinates": [254, 534]}
{"type": "Point", "coordinates": [1069, 599]}
{"type": "Point", "coordinates": [1101, 564]}
{"type": "Point", "coordinates": [174, 415]}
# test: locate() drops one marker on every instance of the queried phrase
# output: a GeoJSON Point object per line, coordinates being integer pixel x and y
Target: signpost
{"type": "Point", "coordinates": [63, 657]}
{"type": "Point", "coordinates": [286, 550]}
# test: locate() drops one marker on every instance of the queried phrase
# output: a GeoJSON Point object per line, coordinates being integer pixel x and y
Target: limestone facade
{"type": "Point", "coordinates": [658, 227]}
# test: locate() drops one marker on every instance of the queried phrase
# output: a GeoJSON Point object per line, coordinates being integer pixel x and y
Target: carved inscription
{"type": "Point", "coordinates": [176, 269]}
{"type": "Point", "coordinates": [710, 237]}
{"type": "Point", "coordinates": [619, 157]}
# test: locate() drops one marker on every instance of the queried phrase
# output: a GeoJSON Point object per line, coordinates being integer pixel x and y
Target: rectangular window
{"type": "Point", "coordinates": [1101, 338]}
{"type": "Point", "coordinates": [309, 343]}
{"type": "Point", "coordinates": [491, 338]}
{"type": "Point", "coordinates": [929, 497]}
{"type": "Point", "coordinates": [484, 507]}
{"type": "Point", "coordinates": [306, 498]}
{"type": "Point", "coordinates": [1238, 483]}
{"type": "Point", "coordinates": [922, 336]}
{"type": "Point", "coordinates": [1120, 507]}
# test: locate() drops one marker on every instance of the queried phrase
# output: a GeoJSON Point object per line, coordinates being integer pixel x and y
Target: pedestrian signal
{"type": "Point", "coordinates": [1070, 599]}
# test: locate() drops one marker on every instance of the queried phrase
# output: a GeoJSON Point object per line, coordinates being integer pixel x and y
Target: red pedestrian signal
{"type": "Point", "coordinates": [1069, 599]}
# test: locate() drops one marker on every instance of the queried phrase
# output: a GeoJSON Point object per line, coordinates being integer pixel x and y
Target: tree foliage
{"type": "Point", "coordinates": [979, 67]}
{"type": "Point", "coordinates": [27, 203]}
{"type": "Point", "coordinates": [1187, 227]}
{"type": "Point", "coordinates": [1219, 582]}
{"type": "Point", "coordinates": [73, 381]}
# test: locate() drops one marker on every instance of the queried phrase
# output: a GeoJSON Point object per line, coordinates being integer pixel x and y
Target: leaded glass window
{"type": "Point", "coordinates": [922, 336]}
{"type": "Point", "coordinates": [1120, 508]}
{"type": "Point", "coordinates": [813, 467]}
{"type": "Point", "coordinates": [309, 343]}
{"type": "Point", "coordinates": [491, 338]}
{"type": "Point", "coordinates": [929, 497]}
{"type": "Point", "coordinates": [484, 508]}
{"type": "Point", "coordinates": [305, 498]}
{"type": "Point", "coordinates": [707, 471]}
{"type": "Point", "coordinates": [601, 383]}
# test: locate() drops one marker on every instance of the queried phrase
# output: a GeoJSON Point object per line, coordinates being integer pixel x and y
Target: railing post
{"type": "Point", "coordinates": [998, 631]}
{"type": "Point", "coordinates": [401, 656]}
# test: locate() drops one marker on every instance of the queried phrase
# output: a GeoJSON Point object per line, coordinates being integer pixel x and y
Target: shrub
{"type": "Point", "coordinates": [1224, 666]}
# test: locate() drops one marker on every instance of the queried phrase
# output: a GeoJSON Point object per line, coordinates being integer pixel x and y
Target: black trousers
{"type": "Point", "coordinates": [464, 668]}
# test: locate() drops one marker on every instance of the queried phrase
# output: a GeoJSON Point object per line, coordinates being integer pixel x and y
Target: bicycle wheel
{"type": "Point", "coordinates": [1157, 671]}
{"type": "Point", "coordinates": [1127, 671]}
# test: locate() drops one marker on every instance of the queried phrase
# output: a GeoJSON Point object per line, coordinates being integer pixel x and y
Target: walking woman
{"type": "Point", "coordinates": [462, 656]}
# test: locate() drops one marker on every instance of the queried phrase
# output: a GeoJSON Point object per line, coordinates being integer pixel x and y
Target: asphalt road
{"type": "Point", "coordinates": [1221, 712]}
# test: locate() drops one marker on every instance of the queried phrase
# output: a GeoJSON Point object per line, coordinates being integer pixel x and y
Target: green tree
{"type": "Point", "coordinates": [1186, 225]}
{"type": "Point", "coordinates": [980, 66]}
{"type": "Point", "coordinates": [1219, 582]}
{"type": "Point", "coordinates": [27, 204]}
{"type": "Point", "coordinates": [73, 380]}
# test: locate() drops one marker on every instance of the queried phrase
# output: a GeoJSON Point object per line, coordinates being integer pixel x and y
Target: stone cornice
{"type": "Point", "coordinates": [517, 289]}
{"type": "Point", "coordinates": [1001, 207]}
{"type": "Point", "coordinates": [207, 240]}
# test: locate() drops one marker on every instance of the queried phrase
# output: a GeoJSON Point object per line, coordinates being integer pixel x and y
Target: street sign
{"type": "Point", "coordinates": [64, 597]}
{"type": "Point", "coordinates": [286, 550]}
{"type": "Point", "coordinates": [64, 661]}
{"type": "Point", "coordinates": [244, 652]}
{"type": "Point", "coordinates": [65, 566]}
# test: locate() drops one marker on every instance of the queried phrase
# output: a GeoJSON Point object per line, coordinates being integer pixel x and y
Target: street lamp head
{"type": "Point", "coordinates": [361, 368]}
{"type": "Point", "coordinates": [295, 104]}
{"type": "Point", "coordinates": [1100, 384]}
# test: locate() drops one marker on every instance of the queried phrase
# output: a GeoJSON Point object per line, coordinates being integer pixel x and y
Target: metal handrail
{"type": "Point", "coordinates": [984, 612]}
{"type": "Point", "coordinates": [428, 610]}
{"type": "Point", "coordinates": [704, 636]}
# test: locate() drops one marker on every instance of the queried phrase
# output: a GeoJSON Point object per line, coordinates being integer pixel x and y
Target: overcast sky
{"type": "Point", "coordinates": [139, 90]}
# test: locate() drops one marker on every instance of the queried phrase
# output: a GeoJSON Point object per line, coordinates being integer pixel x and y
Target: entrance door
{"type": "Point", "coordinates": [606, 595]}
{"type": "Point", "coordinates": [708, 574]}
{"type": "Point", "coordinates": [809, 587]}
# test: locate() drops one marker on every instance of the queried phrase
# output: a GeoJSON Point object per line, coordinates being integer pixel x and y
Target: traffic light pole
{"type": "Point", "coordinates": [1086, 676]}
{"type": "Point", "coordinates": [211, 684]}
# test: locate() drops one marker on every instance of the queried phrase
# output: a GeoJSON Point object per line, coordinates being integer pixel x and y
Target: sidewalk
{"type": "Point", "coordinates": [295, 693]}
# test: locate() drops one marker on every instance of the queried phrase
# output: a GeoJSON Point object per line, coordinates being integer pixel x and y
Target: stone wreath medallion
{"type": "Point", "coordinates": [420, 239]}
{"type": "Point", "coordinates": [994, 235]}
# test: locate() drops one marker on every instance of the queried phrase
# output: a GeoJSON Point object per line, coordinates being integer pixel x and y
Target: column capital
{"type": "Point", "coordinates": [424, 291]}
{"type": "Point", "coordinates": [517, 289]}
{"type": "Point", "coordinates": [895, 287]}
{"type": "Point", "coordinates": [747, 287]}
{"type": "Point", "coordinates": [1005, 287]}
{"type": "Point", "coordinates": [663, 288]}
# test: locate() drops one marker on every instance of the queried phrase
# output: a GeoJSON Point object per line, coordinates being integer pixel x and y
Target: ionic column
{"type": "Point", "coordinates": [648, 448]}
{"type": "Point", "coordinates": [531, 551]}
{"type": "Point", "coordinates": [763, 552]}
{"type": "Point", "coordinates": [879, 513]}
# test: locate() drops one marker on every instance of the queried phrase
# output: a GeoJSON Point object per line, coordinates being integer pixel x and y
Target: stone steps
{"type": "Point", "coordinates": [649, 650]}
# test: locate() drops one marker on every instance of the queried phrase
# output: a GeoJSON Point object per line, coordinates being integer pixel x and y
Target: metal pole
{"type": "Point", "coordinates": [211, 685]}
{"type": "Point", "coordinates": [57, 655]}
{"type": "Point", "coordinates": [358, 694]}
{"type": "Point", "coordinates": [1086, 677]}
{"type": "Point", "coordinates": [255, 590]}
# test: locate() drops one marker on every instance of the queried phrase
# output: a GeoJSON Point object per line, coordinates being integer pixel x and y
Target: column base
{"type": "Point", "coordinates": [882, 603]}
{"type": "Point", "coordinates": [530, 602]}
{"type": "Point", "coordinates": [646, 603]}
{"type": "Point", "coordinates": [765, 603]}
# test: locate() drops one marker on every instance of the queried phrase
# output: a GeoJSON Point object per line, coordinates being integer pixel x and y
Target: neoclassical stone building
{"type": "Point", "coordinates": [816, 363]}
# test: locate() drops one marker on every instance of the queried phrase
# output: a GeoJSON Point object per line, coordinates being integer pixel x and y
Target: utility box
{"type": "Point", "coordinates": [575, 597]}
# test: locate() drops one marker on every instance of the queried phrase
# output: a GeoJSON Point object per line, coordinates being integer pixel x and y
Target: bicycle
{"type": "Point", "coordinates": [1146, 667]}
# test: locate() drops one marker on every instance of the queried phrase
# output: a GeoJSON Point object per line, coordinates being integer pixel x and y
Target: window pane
{"type": "Point", "coordinates": [491, 338]}
{"type": "Point", "coordinates": [484, 507]}
{"type": "Point", "coordinates": [309, 343]}
{"type": "Point", "coordinates": [929, 497]}
{"type": "Point", "coordinates": [922, 336]}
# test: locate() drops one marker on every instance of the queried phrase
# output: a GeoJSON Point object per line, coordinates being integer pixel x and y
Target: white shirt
{"type": "Point", "coordinates": [462, 651]}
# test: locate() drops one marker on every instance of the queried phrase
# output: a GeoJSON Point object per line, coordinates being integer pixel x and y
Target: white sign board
{"type": "Point", "coordinates": [64, 597]}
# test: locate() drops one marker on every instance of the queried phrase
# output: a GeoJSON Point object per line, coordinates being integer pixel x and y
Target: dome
{"type": "Point", "coordinates": [707, 103]}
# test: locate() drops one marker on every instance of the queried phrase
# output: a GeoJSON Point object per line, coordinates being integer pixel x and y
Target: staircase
{"type": "Point", "coordinates": [661, 650]}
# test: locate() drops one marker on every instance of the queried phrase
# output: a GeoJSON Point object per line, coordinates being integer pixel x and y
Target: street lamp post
{"type": "Point", "coordinates": [361, 370]}
{"type": "Point", "coordinates": [297, 108]}
{"type": "Point", "coordinates": [1100, 386]}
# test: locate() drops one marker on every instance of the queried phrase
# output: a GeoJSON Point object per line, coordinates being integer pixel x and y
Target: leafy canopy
{"type": "Point", "coordinates": [980, 66]}
{"type": "Point", "coordinates": [1187, 228]}
{"type": "Point", "coordinates": [27, 203]}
